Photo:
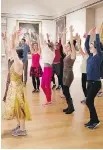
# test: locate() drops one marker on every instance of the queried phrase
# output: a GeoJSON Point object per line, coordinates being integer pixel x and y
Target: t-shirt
{"type": "Point", "coordinates": [84, 64]}
{"type": "Point", "coordinates": [47, 55]}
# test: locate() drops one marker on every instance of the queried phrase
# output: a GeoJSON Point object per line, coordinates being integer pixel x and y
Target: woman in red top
{"type": "Point", "coordinates": [35, 70]}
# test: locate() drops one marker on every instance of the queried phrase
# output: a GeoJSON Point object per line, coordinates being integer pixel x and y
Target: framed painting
{"type": "Point", "coordinates": [29, 27]}
{"type": "Point", "coordinates": [60, 26]}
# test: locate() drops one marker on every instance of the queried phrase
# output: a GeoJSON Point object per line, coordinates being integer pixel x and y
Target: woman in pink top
{"type": "Point", "coordinates": [35, 70]}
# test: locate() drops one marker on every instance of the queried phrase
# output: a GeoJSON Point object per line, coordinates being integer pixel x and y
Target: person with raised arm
{"type": "Point", "coordinates": [35, 70]}
{"type": "Point", "coordinates": [93, 76]}
{"type": "Point", "coordinates": [68, 75]}
{"type": "Point", "coordinates": [48, 55]}
{"type": "Point", "coordinates": [83, 66]}
{"type": "Point", "coordinates": [15, 106]}
{"type": "Point", "coordinates": [9, 59]}
{"type": "Point", "coordinates": [56, 63]}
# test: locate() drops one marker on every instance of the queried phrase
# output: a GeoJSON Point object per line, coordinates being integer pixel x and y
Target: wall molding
{"type": "Point", "coordinates": [26, 16]}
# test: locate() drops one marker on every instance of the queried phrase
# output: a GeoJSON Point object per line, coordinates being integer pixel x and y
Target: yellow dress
{"type": "Point", "coordinates": [16, 105]}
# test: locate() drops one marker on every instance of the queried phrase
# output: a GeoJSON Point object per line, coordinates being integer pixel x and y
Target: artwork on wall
{"type": "Point", "coordinates": [60, 26]}
{"type": "Point", "coordinates": [29, 28]}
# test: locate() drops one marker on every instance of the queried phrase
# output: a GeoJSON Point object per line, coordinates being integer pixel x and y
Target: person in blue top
{"type": "Point", "coordinates": [25, 58]}
{"type": "Point", "coordinates": [93, 76]}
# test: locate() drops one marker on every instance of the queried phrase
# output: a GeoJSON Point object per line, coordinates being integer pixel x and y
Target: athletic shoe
{"type": "Point", "coordinates": [88, 124]}
{"type": "Point", "coordinates": [34, 91]}
{"type": "Point", "coordinates": [58, 88]}
{"type": "Point", "coordinates": [15, 129]}
{"type": "Point", "coordinates": [94, 125]}
{"type": "Point", "coordinates": [19, 133]}
{"type": "Point", "coordinates": [54, 85]}
{"type": "Point", "coordinates": [64, 110]}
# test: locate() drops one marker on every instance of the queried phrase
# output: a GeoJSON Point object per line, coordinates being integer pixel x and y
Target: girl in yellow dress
{"type": "Point", "coordinates": [15, 101]}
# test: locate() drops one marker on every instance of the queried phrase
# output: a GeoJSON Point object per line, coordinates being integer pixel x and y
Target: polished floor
{"type": "Point", "coordinates": [50, 127]}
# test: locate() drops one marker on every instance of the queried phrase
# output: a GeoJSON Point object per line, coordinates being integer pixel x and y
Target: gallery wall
{"type": "Point", "coordinates": [98, 17]}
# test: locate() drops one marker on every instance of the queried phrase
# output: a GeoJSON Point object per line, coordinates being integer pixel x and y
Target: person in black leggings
{"type": "Point", "coordinates": [93, 76]}
{"type": "Point", "coordinates": [83, 67]}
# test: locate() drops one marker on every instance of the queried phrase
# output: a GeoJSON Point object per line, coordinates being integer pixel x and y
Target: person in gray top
{"type": "Point", "coordinates": [68, 72]}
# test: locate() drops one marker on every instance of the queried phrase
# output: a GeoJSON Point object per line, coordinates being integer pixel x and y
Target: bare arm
{"type": "Point", "coordinates": [14, 42]}
{"type": "Point", "coordinates": [73, 54]}
{"type": "Point", "coordinates": [79, 45]}
{"type": "Point", "coordinates": [38, 40]}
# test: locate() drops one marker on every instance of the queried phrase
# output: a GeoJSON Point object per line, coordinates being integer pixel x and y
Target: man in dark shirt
{"type": "Point", "coordinates": [25, 59]}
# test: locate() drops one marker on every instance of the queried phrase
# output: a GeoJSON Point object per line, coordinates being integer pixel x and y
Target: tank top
{"type": "Point", "coordinates": [35, 60]}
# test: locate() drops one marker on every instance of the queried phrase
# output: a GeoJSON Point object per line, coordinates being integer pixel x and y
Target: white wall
{"type": "Point", "coordinates": [99, 17]}
{"type": "Point", "coordinates": [78, 20]}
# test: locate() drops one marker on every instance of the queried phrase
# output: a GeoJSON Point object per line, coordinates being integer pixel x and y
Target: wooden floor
{"type": "Point", "coordinates": [51, 128]}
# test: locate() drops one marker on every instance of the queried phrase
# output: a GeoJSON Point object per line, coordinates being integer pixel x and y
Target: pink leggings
{"type": "Point", "coordinates": [46, 82]}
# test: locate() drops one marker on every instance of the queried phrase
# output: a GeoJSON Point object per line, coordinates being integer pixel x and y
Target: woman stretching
{"type": "Point", "coordinates": [48, 56]}
{"type": "Point", "coordinates": [15, 101]}
{"type": "Point", "coordinates": [93, 76]}
{"type": "Point", "coordinates": [68, 73]}
{"type": "Point", "coordinates": [35, 70]}
{"type": "Point", "coordinates": [83, 67]}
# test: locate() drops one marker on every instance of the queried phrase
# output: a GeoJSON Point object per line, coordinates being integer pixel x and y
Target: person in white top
{"type": "Point", "coordinates": [48, 56]}
{"type": "Point", "coordinates": [83, 67]}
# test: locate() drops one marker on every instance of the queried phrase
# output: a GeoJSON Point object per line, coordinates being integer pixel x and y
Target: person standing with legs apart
{"type": "Point", "coordinates": [93, 76]}
{"type": "Point", "coordinates": [56, 63]}
{"type": "Point", "coordinates": [15, 105]}
{"type": "Point", "coordinates": [25, 59]}
{"type": "Point", "coordinates": [83, 67]}
{"type": "Point", "coordinates": [35, 70]}
{"type": "Point", "coordinates": [48, 55]}
{"type": "Point", "coordinates": [68, 72]}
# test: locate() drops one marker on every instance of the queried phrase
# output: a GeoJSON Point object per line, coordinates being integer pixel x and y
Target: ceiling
{"type": "Point", "coordinates": [50, 8]}
{"type": "Point", "coordinates": [59, 6]}
{"type": "Point", "coordinates": [38, 7]}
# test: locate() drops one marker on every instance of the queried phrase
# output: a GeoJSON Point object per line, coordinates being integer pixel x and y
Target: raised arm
{"type": "Point", "coordinates": [73, 54]}
{"type": "Point", "coordinates": [87, 44]}
{"type": "Point", "coordinates": [30, 42]}
{"type": "Point", "coordinates": [39, 46]}
{"type": "Point", "coordinates": [91, 32]}
{"type": "Point", "coordinates": [79, 45]}
{"type": "Point", "coordinates": [98, 43]}
{"type": "Point", "coordinates": [61, 52]}
{"type": "Point", "coordinates": [48, 37]}
{"type": "Point", "coordinates": [14, 43]}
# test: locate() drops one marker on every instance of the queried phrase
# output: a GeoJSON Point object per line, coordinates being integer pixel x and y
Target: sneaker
{"type": "Point", "coordinates": [37, 90]}
{"type": "Point", "coordinates": [34, 91]}
{"type": "Point", "coordinates": [64, 110]}
{"type": "Point", "coordinates": [58, 88]}
{"type": "Point", "coordinates": [100, 94]}
{"type": "Point", "coordinates": [70, 111]}
{"type": "Point", "coordinates": [54, 85]}
{"type": "Point", "coordinates": [88, 124]}
{"type": "Point", "coordinates": [94, 125]}
{"type": "Point", "coordinates": [19, 133]}
{"type": "Point", "coordinates": [15, 129]}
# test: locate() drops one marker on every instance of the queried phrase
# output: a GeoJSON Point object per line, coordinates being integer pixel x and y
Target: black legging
{"type": "Point", "coordinates": [84, 82]}
{"type": "Point", "coordinates": [66, 92]}
{"type": "Point", "coordinates": [59, 79]}
{"type": "Point", "coordinates": [92, 90]}
{"type": "Point", "coordinates": [36, 82]}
